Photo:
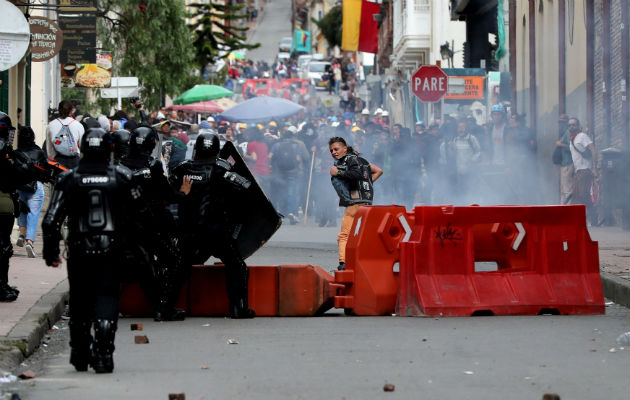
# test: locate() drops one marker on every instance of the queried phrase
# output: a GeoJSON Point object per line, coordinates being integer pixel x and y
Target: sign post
{"type": "Point", "coordinates": [429, 83]}
{"type": "Point", "coordinates": [121, 87]}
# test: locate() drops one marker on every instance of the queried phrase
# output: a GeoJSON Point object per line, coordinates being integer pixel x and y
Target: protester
{"type": "Point", "coordinates": [352, 177]}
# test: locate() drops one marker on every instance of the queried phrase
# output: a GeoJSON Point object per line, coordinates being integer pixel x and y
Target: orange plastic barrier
{"type": "Point", "coordinates": [372, 255]}
{"type": "Point", "coordinates": [506, 260]}
{"type": "Point", "coordinates": [284, 291]}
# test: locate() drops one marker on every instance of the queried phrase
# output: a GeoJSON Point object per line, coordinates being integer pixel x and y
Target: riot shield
{"type": "Point", "coordinates": [257, 218]}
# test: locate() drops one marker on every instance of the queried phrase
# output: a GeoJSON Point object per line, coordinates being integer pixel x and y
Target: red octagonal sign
{"type": "Point", "coordinates": [429, 83]}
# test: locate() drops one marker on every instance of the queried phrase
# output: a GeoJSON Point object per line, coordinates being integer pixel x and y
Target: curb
{"type": "Point", "coordinates": [26, 335]}
{"type": "Point", "coordinates": [616, 289]}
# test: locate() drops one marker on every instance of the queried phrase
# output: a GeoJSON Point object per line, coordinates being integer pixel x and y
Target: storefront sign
{"type": "Point", "coordinates": [79, 38]}
{"type": "Point", "coordinates": [473, 88]}
{"type": "Point", "coordinates": [46, 38]}
{"type": "Point", "coordinates": [97, 75]}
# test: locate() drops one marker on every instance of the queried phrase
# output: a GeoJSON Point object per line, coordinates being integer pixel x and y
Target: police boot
{"type": "Point", "coordinates": [8, 293]}
{"type": "Point", "coordinates": [80, 341]}
{"type": "Point", "coordinates": [237, 292]}
{"type": "Point", "coordinates": [103, 347]}
{"type": "Point", "coordinates": [166, 310]}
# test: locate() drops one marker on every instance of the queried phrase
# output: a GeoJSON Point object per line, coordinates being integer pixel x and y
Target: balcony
{"type": "Point", "coordinates": [412, 33]}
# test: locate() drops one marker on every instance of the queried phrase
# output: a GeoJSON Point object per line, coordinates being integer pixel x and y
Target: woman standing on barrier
{"type": "Point", "coordinates": [352, 177]}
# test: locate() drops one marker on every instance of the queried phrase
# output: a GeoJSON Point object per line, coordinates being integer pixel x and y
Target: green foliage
{"type": "Point", "coordinates": [330, 26]}
{"type": "Point", "coordinates": [216, 32]}
{"type": "Point", "coordinates": [153, 44]}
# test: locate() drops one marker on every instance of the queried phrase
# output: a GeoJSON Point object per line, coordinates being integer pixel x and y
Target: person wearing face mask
{"type": "Point", "coordinates": [584, 163]}
{"type": "Point", "coordinates": [352, 177]}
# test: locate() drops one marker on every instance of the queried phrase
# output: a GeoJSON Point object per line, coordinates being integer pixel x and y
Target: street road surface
{"type": "Point", "coordinates": [337, 357]}
{"type": "Point", "coordinates": [274, 25]}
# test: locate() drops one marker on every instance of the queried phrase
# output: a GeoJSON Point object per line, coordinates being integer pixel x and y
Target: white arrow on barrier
{"type": "Point", "coordinates": [406, 227]}
{"type": "Point", "coordinates": [519, 237]}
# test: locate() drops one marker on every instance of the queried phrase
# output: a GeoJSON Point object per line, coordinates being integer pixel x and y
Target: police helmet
{"type": "Point", "coordinates": [142, 140]}
{"type": "Point", "coordinates": [121, 143]}
{"type": "Point", "coordinates": [207, 147]}
{"type": "Point", "coordinates": [96, 144]}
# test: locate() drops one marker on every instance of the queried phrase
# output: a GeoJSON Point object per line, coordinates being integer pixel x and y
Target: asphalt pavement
{"type": "Point", "coordinates": [272, 26]}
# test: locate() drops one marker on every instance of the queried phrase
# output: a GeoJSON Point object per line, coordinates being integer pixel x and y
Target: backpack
{"type": "Point", "coordinates": [64, 142]}
{"type": "Point", "coordinates": [285, 156]}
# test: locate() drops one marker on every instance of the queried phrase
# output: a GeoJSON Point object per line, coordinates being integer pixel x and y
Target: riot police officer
{"type": "Point", "coordinates": [121, 144]}
{"type": "Point", "coordinates": [90, 196]}
{"type": "Point", "coordinates": [160, 252]}
{"type": "Point", "coordinates": [208, 211]}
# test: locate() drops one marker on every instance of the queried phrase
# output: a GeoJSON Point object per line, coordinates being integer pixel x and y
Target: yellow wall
{"type": "Point", "coordinates": [547, 53]}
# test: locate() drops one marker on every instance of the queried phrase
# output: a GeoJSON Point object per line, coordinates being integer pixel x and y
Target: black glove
{"type": "Point", "coordinates": [50, 254]}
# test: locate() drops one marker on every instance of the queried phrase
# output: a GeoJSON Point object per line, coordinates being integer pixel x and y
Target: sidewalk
{"type": "Point", "coordinates": [44, 291]}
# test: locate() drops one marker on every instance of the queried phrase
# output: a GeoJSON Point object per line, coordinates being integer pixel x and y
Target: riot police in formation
{"type": "Point", "coordinates": [157, 250]}
{"type": "Point", "coordinates": [119, 225]}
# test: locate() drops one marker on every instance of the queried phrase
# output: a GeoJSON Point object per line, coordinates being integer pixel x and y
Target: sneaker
{"type": "Point", "coordinates": [20, 241]}
{"type": "Point", "coordinates": [30, 251]}
{"type": "Point", "coordinates": [341, 266]}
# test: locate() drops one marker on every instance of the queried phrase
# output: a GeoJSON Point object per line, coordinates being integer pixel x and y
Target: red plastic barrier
{"type": "Point", "coordinates": [284, 290]}
{"type": "Point", "coordinates": [372, 255]}
{"type": "Point", "coordinates": [545, 262]}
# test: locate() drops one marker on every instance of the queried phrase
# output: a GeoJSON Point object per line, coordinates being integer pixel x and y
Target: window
{"type": "Point", "coordinates": [421, 6]}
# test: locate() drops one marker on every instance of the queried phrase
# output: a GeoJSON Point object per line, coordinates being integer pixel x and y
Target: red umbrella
{"type": "Point", "coordinates": [202, 106]}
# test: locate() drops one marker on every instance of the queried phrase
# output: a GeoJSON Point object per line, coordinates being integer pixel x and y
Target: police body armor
{"type": "Point", "coordinates": [95, 224]}
{"type": "Point", "coordinates": [245, 206]}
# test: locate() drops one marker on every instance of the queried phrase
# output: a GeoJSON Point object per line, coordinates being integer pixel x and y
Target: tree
{"type": "Point", "coordinates": [330, 26]}
{"type": "Point", "coordinates": [149, 40]}
{"type": "Point", "coordinates": [215, 36]}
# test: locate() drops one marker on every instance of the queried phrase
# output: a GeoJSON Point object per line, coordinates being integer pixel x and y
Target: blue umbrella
{"type": "Point", "coordinates": [261, 109]}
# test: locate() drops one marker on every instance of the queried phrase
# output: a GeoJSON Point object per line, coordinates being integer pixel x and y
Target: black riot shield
{"type": "Point", "coordinates": [257, 218]}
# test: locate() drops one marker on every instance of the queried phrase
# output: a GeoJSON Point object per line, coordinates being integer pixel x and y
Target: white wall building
{"type": "Point", "coordinates": [420, 28]}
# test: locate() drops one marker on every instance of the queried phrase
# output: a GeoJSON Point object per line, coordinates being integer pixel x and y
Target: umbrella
{"type": "Point", "coordinates": [203, 93]}
{"type": "Point", "coordinates": [202, 106]}
{"type": "Point", "coordinates": [261, 109]}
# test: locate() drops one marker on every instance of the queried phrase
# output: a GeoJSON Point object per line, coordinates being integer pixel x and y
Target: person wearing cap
{"type": "Point", "coordinates": [212, 122]}
{"type": "Point", "coordinates": [385, 119]}
{"type": "Point", "coordinates": [364, 118]}
{"type": "Point", "coordinates": [378, 116]}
